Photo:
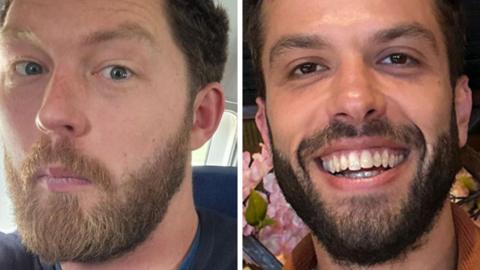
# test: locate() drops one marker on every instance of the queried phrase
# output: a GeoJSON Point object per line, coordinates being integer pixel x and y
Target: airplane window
{"type": "Point", "coordinates": [221, 149]}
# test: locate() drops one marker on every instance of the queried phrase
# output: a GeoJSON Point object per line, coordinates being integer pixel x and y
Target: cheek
{"type": "Point", "coordinates": [126, 139]}
{"type": "Point", "coordinates": [294, 117]}
{"type": "Point", "coordinates": [17, 125]}
{"type": "Point", "coordinates": [429, 108]}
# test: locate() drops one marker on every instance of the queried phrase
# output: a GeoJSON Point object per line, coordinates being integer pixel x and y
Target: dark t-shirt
{"type": "Point", "coordinates": [216, 249]}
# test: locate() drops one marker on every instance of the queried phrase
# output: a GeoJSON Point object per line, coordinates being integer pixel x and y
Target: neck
{"type": "Point", "coordinates": [167, 245]}
{"type": "Point", "coordinates": [437, 250]}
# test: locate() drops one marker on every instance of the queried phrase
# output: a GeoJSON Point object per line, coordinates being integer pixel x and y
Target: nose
{"type": "Point", "coordinates": [61, 114]}
{"type": "Point", "coordinates": [356, 95]}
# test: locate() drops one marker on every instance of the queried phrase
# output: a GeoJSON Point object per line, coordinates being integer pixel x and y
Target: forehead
{"type": "Point", "coordinates": [345, 19]}
{"type": "Point", "coordinates": [68, 19]}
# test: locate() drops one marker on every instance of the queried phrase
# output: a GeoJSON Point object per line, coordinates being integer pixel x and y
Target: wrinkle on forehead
{"type": "Point", "coordinates": [341, 13]}
{"type": "Point", "coordinates": [94, 21]}
{"type": "Point", "coordinates": [83, 12]}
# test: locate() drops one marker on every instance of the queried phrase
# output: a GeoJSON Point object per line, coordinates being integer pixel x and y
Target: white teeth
{"type": "Point", "coordinates": [366, 159]}
{"type": "Point", "coordinates": [354, 161]}
{"type": "Point", "coordinates": [343, 162]}
{"type": "Point", "coordinates": [325, 165]}
{"type": "Point", "coordinates": [336, 164]}
{"type": "Point", "coordinates": [391, 161]}
{"type": "Point", "coordinates": [377, 159]}
{"type": "Point", "coordinates": [385, 158]}
{"type": "Point", "coordinates": [330, 166]}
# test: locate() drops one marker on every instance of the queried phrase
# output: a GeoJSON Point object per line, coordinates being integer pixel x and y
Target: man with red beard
{"type": "Point", "coordinates": [101, 103]}
{"type": "Point", "coordinates": [365, 108]}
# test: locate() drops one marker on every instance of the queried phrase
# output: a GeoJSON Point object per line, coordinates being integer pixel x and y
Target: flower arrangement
{"type": "Point", "coordinates": [267, 215]}
{"type": "Point", "coordinates": [269, 218]}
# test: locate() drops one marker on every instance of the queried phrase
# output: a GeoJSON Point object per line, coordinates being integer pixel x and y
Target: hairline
{"type": "Point", "coordinates": [259, 36]}
{"type": "Point", "coordinates": [125, 31]}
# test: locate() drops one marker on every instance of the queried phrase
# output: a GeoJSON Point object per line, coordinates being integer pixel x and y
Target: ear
{"type": "Point", "coordinates": [463, 108]}
{"type": "Point", "coordinates": [261, 121]}
{"type": "Point", "coordinates": [207, 112]}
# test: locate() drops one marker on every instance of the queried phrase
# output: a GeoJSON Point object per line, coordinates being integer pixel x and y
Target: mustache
{"type": "Point", "coordinates": [410, 135]}
{"type": "Point", "coordinates": [63, 152]}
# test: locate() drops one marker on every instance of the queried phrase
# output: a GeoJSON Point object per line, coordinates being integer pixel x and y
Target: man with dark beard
{"type": "Point", "coordinates": [101, 103]}
{"type": "Point", "coordinates": [365, 108]}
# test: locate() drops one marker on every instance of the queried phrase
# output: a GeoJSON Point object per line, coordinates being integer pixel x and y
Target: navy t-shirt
{"type": "Point", "coordinates": [214, 247]}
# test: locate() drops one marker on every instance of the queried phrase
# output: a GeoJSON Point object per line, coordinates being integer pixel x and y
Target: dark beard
{"type": "Point", "coordinates": [370, 233]}
{"type": "Point", "coordinates": [56, 227]}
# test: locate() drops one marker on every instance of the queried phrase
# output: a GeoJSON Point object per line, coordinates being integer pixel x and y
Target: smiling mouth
{"type": "Point", "coordinates": [362, 164]}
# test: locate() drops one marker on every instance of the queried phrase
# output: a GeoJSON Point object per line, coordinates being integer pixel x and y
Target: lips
{"type": "Point", "coordinates": [59, 179]}
{"type": "Point", "coordinates": [362, 158]}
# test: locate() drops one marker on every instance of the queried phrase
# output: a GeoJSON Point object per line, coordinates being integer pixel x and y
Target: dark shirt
{"type": "Point", "coordinates": [216, 247]}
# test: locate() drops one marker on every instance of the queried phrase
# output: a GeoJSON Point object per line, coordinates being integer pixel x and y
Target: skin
{"type": "Point", "coordinates": [354, 80]}
{"type": "Point", "coordinates": [117, 122]}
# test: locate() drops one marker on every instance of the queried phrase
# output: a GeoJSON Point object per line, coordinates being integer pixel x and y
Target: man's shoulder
{"type": "Point", "coordinates": [218, 241]}
{"type": "Point", "coordinates": [13, 254]}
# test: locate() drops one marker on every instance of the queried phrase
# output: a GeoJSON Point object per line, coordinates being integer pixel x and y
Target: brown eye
{"type": "Point", "coordinates": [307, 68]}
{"type": "Point", "coordinates": [399, 59]}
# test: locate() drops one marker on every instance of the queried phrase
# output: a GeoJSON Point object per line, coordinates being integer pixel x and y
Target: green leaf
{"type": "Point", "coordinates": [256, 209]}
{"type": "Point", "coordinates": [469, 183]}
{"type": "Point", "coordinates": [264, 223]}
{"type": "Point", "coordinates": [268, 221]}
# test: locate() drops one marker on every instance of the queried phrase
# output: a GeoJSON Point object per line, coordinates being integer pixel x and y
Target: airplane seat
{"type": "Point", "coordinates": [215, 188]}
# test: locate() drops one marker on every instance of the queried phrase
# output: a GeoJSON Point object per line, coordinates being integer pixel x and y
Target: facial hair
{"type": "Point", "coordinates": [370, 232]}
{"type": "Point", "coordinates": [56, 227]}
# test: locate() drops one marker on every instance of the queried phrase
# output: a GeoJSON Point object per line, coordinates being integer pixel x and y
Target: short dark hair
{"type": "Point", "coordinates": [449, 14]}
{"type": "Point", "coordinates": [200, 30]}
{"type": "Point", "coordinates": [451, 17]}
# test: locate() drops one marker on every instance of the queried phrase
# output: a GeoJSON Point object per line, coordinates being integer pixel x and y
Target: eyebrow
{"type": "Point", "coordinates": [123, 31]}
{"type": "Point", "coordinates": [19, 34]}
{"type": "Point", "coordinates": [315, 41]}
{"type": "Point", "coordinates": [414, 30]}
{"type": "Point", "coordinates": [297, 42]}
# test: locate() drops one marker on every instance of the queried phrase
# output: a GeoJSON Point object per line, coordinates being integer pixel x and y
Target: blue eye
{"type": "Point", "coordinates": [307, 68]}
{"type": "Point", "coordinates": [28, 68]}
{"type": "Point", "coordinates": [116, 73]}
{"type": "Point", "coordinates": [399, 59]}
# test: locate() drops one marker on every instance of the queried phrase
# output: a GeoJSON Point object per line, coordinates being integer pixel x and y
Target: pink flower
{"type": "Point", "coordinates": [289, 229]}
{"type": "Point", "coordinates": [249, 182]}
{"type": "Point", "coordinates": [254, 171]}
{"type": "Point", "coordinates": [281, 237]}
